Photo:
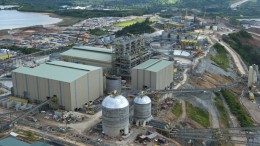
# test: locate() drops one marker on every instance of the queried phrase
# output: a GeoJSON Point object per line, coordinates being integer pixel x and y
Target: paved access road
{"type": "Point", "coordinates": [237, 4]}
{"type": "Point", "coordinates": [234, 55]}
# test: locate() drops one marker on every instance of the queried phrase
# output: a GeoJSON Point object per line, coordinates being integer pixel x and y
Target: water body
{"type": "Point", "coordinates": [8, 6]}
{"type": "Point", "coordinates": [10, 19]}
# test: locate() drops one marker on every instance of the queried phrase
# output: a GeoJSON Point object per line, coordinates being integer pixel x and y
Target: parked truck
{"type": "Point", "coordinates": [251, 96]}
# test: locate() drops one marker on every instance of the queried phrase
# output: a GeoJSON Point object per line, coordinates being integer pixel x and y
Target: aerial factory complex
{"type": "Point", "coordinates": [181, 84]}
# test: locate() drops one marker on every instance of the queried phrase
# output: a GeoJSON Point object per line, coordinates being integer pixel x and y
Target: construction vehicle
{"type": "Point", "coordinates": [251, 96]}
{"type": "Point", "coordinates": [90, 112]}
{"type": "Point", "coordinates": [7, 52]}
{"type": "Point", "coordinates": [199, 53]}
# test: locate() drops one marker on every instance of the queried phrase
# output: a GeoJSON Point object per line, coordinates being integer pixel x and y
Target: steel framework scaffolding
{"type": "Point", "coordinates": [129, 52]}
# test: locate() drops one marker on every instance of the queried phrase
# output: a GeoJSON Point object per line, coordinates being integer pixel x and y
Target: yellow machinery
{"type": "Point", "coordinates": [18, 99]}
{"type": "Point", "coordinates": [251, 96]}
{"type": "Point", "coordinates": [174, 25]}
{"type": "Point", "coordinates": [199, 53]}
{"type": "Point", "coordinates": [188, 43]}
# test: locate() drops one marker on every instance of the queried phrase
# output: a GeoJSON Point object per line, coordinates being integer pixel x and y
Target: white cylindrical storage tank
{"type": "Point", "coordinates": [173, 36]}
{"type": "Point", "coordinates": [215, 27]}
{"type": "Point", "coordinates": [115, 115]}
{"type": "Point", "coordinates": [165, 35]}
{"type": "Point", "coordinates": [107, 39]}
{"type": "Point", "coordinates": [113, 83]}
{"type": "Point", "coordinates": [100, 41]}
{"type": "Point", "coordinates": [142, 109]}
{"type": "Point", "coordinates": [112, 37]}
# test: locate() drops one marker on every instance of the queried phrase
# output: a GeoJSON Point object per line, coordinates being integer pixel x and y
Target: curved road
{"type": "Point", "coordinates": [234, 55]}
{"type": "Point", "coordinates": [237, 4]}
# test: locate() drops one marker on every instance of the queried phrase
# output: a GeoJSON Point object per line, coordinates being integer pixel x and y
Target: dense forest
{"type": "Point", "coordinates": [237, 109]}
{"type": "Point", "coordinates": [211, 7]}
{"type": "Point", "coordinates": [21, 50]}
{"type": "Point", "coordinates": [137, 28]}
{"type": "Point", "coordinates": [244, 44]}
{"type": "Point", "coordinates": [99, 13]}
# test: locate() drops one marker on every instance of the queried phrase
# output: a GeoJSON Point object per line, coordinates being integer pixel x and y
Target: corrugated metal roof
{"type": "Point", "coordinates": [142, 100]}
{"type": "Point", "coordinates": [90, 53]}
{"type": "Point", "coordinates": [154, 65]}
{"type": "Point", "coordinates": [74, 65]}
{"type": "Point", "coordinates": [95, 49]}
{"type": "Point", "coordinates": [58, 70]}
{"type": "Point", "coordinates": [146, 64]}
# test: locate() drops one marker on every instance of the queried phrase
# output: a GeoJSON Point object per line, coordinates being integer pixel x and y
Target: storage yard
{"type": "Point", "coordinates": [130, 90]}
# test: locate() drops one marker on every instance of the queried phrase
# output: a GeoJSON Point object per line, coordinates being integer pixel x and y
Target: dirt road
{"type": "Point", "coordinates": [184, 113]}
{"type": "Point", "coordinates": [237, 4]}
{"type": "Point", "coordinates": [234, 55]}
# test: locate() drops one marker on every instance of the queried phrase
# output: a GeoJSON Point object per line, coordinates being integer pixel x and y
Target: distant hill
{"type": "Point", "coordinates": [184, 3]}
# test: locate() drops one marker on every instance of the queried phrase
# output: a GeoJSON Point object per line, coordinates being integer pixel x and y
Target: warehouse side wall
{"type": "Point", "coordinates": [134, 78]}
{"type": "Point", "coordinates": [147, 78]}
{"type": "Point", "coordinates": [140, 79]}
{"type": "Point", "coordinates": [19, 84]}
{"type": "Point", "coordinates": [156, 80]}
{"type": "Point", "coordinates": [43, 88]}
{"type": "Point", "coordinates": [95, 79]}
{"type": "Point", "coordinates": [86, 88]}
{"type": "Point", "coordinates": [32, 87]}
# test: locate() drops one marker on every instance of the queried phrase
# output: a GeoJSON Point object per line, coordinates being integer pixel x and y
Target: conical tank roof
{"type": "Point", "coordinates": [115, 101]}
{"type": "Point", "coordinates": [142, 99]}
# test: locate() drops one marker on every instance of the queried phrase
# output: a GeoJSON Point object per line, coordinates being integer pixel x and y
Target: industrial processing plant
{"type": "Point", "coordinates": [164, 88]}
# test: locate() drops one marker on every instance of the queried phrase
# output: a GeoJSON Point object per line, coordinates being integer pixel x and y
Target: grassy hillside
{"type": "Point", "coordinates": [237, 109]}
{"type": "Point", "coordinates": [137, 28]}
{"type": "Point", "coordinates": [245, 45]}
{"type": "Point", "coordinates": [221, 58]}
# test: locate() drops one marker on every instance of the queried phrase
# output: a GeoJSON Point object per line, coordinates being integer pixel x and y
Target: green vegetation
{"type": "Point", "coordinates": [98, 31]}
{"type": "Point", "coordinates": [21, 50]}
{"type": "Point", "coordinates": [222, 111]}
{"type": "Point", "coordinates": [38, 5]}
{"type": "Point", "coordinates": [131, 22]}
{"type": "Point", "coordinates": [221, 58]}
{"type": "Point", "coordinates": [68, 21]}
{"type": "Point", "coordinates": [237, 109]}
{"type": "Point", "coordinates": [198, 7]}
{"type": "Point", "coordinates": [245, 45]}
{"type": "Point", "coordinates": [197, 114]}
{"type": "Point", "coordinates": [177, 109]}
{"type": "Point", "coordinates": [137, 28]}
{"type": "Point", "coordinates": [99, 13]}
{"type": "Point", "coordinates": [27, 135]}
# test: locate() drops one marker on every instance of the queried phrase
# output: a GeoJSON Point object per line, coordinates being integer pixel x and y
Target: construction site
{"type": "Point", "coordinates": [135, 90]}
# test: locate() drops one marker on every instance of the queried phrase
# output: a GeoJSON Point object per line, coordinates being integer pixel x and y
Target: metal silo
{"type": "Point", "coordinates": [113, 83]}
{"type": "Point", "coordinates": [115, 115]}
{"type": "Point", "coordinates": [142, 109]}
{"type": "Point", "coordinates": [112, 37]}
{"type": "Point", "coordinates": [165, 35]}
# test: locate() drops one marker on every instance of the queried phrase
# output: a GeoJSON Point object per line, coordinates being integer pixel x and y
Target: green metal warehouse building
{"type": "Point", "coordinates": [73, 84]}
{"type": "Point", "coordinates": [155, 74]}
